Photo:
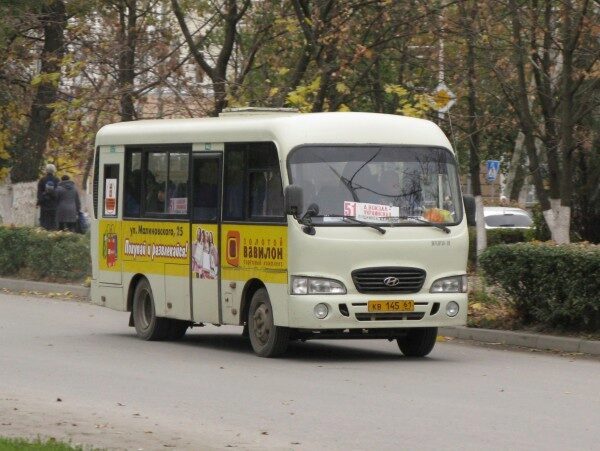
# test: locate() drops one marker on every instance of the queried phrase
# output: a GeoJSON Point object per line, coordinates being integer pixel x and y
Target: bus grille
{"type": "Point", "coordinates": [389, 316]}
{"type": "Point", "coordinates": [400, 280]}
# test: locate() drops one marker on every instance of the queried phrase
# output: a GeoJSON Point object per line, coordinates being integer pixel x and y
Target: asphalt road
{"type": "Point", "coordinates": [74, 371]}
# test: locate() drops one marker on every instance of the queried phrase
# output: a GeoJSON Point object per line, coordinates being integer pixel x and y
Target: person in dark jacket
{"type": "Point", "coordinates": [68, 207]}
{"type": "Point", "coordinates": [46, 198]}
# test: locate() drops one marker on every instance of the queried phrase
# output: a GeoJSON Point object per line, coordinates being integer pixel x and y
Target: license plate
{"type": "Point", "coordinates": [391, 306]}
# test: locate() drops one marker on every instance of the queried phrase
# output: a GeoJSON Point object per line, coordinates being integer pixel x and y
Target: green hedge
{"type": "Point", "coordinates": [550, 285]}
{"type": "Point", "coordinates": [38, 254]}
{"type": "Point", "coordinates": [494, 237]}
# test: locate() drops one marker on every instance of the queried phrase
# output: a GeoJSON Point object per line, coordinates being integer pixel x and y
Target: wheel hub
{"type": "Point", "coordinates": [146, 313]}
{"type": "Point", "coordinates": [262, 323]}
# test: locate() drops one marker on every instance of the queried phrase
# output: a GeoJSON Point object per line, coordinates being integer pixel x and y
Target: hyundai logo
{"type": "Point", "coordinates": [391, 281]}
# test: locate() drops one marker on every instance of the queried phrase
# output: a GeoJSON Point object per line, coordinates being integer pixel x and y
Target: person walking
{"type": "Point", "coordinates": [68, 207]}
{"type": "Point", "coordinates": [46, 198]}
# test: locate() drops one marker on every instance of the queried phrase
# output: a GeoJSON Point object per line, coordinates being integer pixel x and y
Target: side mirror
{"type": "Point", "coordinates": [469, 202]}
{"type": "Point", "coordinates": [293, 200]}
{"type": "Point", "coordinates": [312, 210]}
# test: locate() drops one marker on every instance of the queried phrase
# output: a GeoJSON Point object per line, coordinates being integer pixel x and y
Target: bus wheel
{"type": "Point", "coordinates": [418, 342]}
{"type": "Point", "coordinates": [267, 339]}
{"type": "Point", "coordinates": [147, 325]}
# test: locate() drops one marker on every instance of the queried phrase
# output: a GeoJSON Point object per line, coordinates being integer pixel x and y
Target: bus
{"type": "Point", "coordinates": [294, 226]}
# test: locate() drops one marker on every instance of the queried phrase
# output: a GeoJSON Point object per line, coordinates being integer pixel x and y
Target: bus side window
{"type": "Point", "coordinates": [253, 189]}
{"type": "Point", "coordinates": [156, 183]}
{"type": "Point", "coordinates": [265, 193]}
{"type": "Point", "coordinates": [176, 193]}
{"type": "Point", "coordinates": [233, 202]}
{"type": "Point", "coordinates": [205, 189]}
{"type": "Point", "coordinates": [133, 184]}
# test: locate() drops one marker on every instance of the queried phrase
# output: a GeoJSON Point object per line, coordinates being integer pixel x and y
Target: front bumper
{"type": "Point", "coordinates": [350, 311]}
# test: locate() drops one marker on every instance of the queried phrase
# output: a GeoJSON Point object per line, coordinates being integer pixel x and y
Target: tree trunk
{"type": "Point", "coordinates": [469, 16]}
{"type": "Point", "coordinates": [523, 108]}
{"type": "Point", "coordinates": [127, 39]}
{"type": "Point", "coordinates": [217, 74]}
{"type": "Point", "coordinates": [28, 153]}
{"type": "Point", "coordinates": [516, 173]}
{"type": "Point", "coordinates": [559, 216]}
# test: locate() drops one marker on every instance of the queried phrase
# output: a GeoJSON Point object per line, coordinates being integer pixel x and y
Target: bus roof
{"type": "Point", "coordinates": [287, 130]}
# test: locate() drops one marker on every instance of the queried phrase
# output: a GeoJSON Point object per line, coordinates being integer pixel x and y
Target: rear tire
{"type": "Point", "coordinates": [418, 342]}
{"type": "Point", "coordinates": [267, 339]}
{"type": "Point", "coordinates": [147, 325]}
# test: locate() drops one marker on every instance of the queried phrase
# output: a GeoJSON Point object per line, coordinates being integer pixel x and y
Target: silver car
{"type": "Point", "coordinates": [506, 217]}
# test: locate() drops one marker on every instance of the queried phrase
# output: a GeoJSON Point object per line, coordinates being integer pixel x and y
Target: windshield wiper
{"type": "Point", "coordinates": [429, 223]}
{"type": "Point", "coordinates": [357, 221]}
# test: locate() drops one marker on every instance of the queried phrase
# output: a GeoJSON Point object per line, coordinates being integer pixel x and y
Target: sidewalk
{"type": "Point", "coordinates": [19, 285]}
{"type": "Point", "coordinates": [524, 339]}
{"type": "Point", "coordinates": [505, 337]}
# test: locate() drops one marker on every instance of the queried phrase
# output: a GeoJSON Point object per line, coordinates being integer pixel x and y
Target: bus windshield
{"type": "Point", "coordinates": [381, 184]}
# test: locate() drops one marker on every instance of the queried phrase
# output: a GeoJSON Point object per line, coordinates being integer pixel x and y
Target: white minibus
{"type": "Point", "coordinates": [294, 226]}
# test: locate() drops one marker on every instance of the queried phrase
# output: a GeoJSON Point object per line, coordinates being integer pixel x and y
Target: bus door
{"type": "Point", "coordinates": [205, 236]}
{"type": "Point", "coordinates": [109, 213]}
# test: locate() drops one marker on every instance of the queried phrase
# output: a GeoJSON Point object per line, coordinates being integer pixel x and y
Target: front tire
{"type": "Point", "coordinates": [418, 342]}
{"type": "Point", "coordinates": [267, 339]}
{"type": "Point", "coordinates": [147, 325]}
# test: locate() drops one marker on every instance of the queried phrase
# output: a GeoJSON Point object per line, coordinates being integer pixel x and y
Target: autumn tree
{"type": "Point", "coordinates": [553, 53]}
{"type": "Point", "coordinates": [212, 42]}
{"type": "Point", "coordinates": [28, 149]}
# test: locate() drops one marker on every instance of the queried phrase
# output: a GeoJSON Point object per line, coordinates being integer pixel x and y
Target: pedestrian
{"type": "Point", "coordinates": [46, 198]}
{"type": "Point", "coordinates": [67, 210]}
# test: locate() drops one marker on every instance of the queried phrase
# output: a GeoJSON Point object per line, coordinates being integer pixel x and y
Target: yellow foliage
{"type": "Point", "coordinates": [343, 107]}
{"type": "Point", "coordinates": [289, 25]}
{"type": "Point", "coordinates": [342, 88]}
{"type": "Point", "coordinates": [301, 97]}
{"type": "Point", "coordinates": [52, 78]}
{"type": "Point", "coordinates": [395, 89]}
{"type": "Point", "coordinates": [7, 113]}
{"type": "Point", "coordinates": [413, 105]}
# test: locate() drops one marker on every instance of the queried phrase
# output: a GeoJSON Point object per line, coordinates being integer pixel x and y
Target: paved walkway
{"type": "Point", "coordinates": [505, 337]}
{"type": "Point", "coordinates": [524, 339]}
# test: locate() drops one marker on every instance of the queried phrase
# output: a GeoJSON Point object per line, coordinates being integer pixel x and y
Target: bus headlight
{"type": "Point", "coordinates": [316, 285]}
{"type": "Point", "coordinates": [454, 284]}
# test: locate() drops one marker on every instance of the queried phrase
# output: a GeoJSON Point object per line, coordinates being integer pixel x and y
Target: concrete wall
{"type": "Point", "coordinates": [17, 204]}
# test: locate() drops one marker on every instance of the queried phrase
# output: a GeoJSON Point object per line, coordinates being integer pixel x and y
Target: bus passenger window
{"type": "Point", "coordinates": [234, 188]}
{"type": "Point", "coordinates": [266, 194]}
{"type": "Point", "coordinates": [156, 182]}
{"type": "Point", "coordinates": [133, 184]}
{"type": "Point", "coordinates": [258, 194]}
{"type": "Point", "coordinates": [176, 193]}
{"type": "Point", "coordinates": [274, 200]}
{"type": "Point", "coordinates": [252, 190]}
{"type": "Point", "coordinates": [206, 189]}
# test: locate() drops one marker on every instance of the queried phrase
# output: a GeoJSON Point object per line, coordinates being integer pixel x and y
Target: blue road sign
{"type": "Point", "coordinates": [492, 168]}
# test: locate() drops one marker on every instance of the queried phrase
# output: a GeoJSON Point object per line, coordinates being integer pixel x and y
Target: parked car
{"type": "Point", "coordinates": [506, 217]}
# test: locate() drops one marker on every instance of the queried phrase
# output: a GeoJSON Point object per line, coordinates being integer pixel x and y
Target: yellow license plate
{"type": "Point", "coordinates": [391, 306]}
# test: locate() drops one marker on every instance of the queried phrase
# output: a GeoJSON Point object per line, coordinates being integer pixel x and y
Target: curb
{"type": "Point", "coordinates": [524, 339]}
{"type": "Point", "coordinates": [45, 287]}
